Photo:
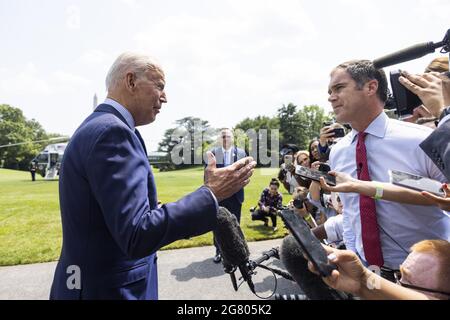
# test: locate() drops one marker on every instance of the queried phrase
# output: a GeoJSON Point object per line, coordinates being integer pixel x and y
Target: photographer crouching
{"type": "Point", "coordinates": [270, 201]}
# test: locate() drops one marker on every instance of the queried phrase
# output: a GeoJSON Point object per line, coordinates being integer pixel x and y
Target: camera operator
{"type": "Point", "coordinates": [424, 275]}
{"type": "Point", "coordinates": [270, 201]}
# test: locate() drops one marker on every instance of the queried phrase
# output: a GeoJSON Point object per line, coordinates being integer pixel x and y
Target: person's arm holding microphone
{"type": "Point", "coordinates": [352, 277]}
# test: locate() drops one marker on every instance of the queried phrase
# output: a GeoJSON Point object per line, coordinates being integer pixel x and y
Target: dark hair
{"type": "Point", "coordinates": [274, 182]}
{"type": "Point", "coordinates": [311, 157]}
{"type": "Point", "coordinates": [363, 71]}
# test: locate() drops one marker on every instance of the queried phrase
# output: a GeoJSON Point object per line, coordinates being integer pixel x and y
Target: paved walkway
{"type": "Point", "coordinates": [184, 274]}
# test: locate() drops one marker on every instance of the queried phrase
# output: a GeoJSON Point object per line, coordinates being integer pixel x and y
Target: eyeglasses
{"type": "Point", "coordinates": [398, 279]}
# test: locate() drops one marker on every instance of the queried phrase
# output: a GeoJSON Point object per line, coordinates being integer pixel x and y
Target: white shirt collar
{"type": "Point", "coordinates": [123, 111]}
{"type": "Point", "coordinates": [376, 128]}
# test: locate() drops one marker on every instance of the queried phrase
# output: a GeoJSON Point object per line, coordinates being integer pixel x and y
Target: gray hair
{"type": "Point", "coordinates": [129, 62]}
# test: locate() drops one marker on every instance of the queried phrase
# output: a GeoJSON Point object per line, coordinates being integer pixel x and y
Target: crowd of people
{"type": "Point", "coordinates": [113, 224]}
{"type": "Point", "coordinates": [401, 232]}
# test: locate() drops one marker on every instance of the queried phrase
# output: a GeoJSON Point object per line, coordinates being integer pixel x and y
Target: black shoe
{"type": "Point", "coordinates": [217, 258]}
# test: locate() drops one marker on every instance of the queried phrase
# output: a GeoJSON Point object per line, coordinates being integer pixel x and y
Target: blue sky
{"type": "Point", "coordinates": [224, 60]}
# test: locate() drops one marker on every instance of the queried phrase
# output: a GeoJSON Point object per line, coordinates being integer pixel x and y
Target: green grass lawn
{"type": "Point", "coordinates": [30, 223]}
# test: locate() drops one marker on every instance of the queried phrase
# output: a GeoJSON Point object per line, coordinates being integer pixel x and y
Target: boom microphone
{"type": "Point", "coordinates": [410, 53]}
{"type": "Point", "coordinates": [413, 52]}
{"type": "Point", "coordinates": [311, 284]}
{"type": "Point", "coordinates": [233, 247]}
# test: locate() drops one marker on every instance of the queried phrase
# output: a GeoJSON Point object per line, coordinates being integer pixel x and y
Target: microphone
{"type": "Point", "coordinates": [233, 247]}
{"type": "Point", "coordinates": [410, 53]}
{"type": "Point", "coordinates": [291, 255]}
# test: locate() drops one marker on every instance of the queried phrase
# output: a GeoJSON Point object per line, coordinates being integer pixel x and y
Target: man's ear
{"type": "Point", "coordinates": [372, 87]}
{"type": "Point", "coordinates": [130, 81]}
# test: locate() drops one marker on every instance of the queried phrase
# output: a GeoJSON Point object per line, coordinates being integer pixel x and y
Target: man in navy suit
{"type": "Point", "coordinates": [112, 226]}
{"type": "Point", "coordinates": [226, 155]}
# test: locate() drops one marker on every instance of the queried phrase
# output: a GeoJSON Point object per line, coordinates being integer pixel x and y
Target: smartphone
{"type": "Point", "coordinates": [315, 175]}
{"type": "Point", "coordinates": [310, 245]}
{"type": "Point", "coordinates": [288, 159]}
{"type": "Point", "coordinates": [415, 182]}
{"type": "Point", "coordinates": [405, 100]}
{"type": "Point", "coordinates": [324, 167]}
{"type": "Point", "coordinates": [339, 132]}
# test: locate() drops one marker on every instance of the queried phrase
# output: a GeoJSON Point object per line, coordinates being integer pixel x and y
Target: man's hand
{"type": "Point", "coordinates": [441, 202]}
{"type": "Point", "coordinates": [428, 87]}
{"type": "Point", "coordinates": [419, 112]}
{"type": "Point", "coordinates": [225, 182]}
{"type": "Point", "coordinates": [344, 182]}
{"type": "Point", "coordinates": [326, 134]}
{"type": "Point", "coordinates": [351, 275]}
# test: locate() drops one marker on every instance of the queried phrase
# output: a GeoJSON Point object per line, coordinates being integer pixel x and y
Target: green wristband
{"type": "Point", "coordinates": [378, 191]}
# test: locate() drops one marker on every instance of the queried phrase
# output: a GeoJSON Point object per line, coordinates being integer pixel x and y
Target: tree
{"type": "Point", "coordinates": [15, 128]}
{"type": "Point", "coordinates": [291, 126]}
{"type": "Point", "coordinates": [260, 129]}
{"type": "Point", "coordinates": [187, 142]}
{"type": "Point", "coordinates": [311, 118]}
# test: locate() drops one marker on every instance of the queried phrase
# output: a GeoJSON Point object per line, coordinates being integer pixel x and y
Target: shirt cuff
{"type": "Point", "coordinates": [213, 195]}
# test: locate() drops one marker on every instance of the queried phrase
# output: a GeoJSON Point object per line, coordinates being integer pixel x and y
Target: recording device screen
{"type": "Point", "coordinates": [315, 175]}
{"type": "Point", "coordinates": [415, 182]}
{"type": "Point", "coordinates": [310, 245]}
{"type": "Point", "coordinates": [405, 100]}
{"type": "Point", "coordinates": [288, 159]}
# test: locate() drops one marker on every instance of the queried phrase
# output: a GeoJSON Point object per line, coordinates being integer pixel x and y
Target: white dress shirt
{"type": "Point", "coordinates": [334, 228]}
{"type": "Point", "coordinates": [390, 144]}
{"type": "Point", "coordinates": [227, 156]}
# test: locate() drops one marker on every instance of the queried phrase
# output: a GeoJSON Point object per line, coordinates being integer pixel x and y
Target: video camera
{"type": "Point", "coordinates": [401, 99]}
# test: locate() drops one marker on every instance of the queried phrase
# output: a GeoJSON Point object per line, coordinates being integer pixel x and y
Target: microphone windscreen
{"type": "Point", "coordinates": [230, 239]}
{"type": "Point", "coordinates": [410, 53]}
{"type": "Point", "coordinates": [291, 255]}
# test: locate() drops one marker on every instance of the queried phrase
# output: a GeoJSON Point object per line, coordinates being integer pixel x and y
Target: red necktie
{"type": "Point", "coordinates": [367, 208]}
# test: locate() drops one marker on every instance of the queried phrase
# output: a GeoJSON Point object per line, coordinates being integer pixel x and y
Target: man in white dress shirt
{"type": "Point", "coordinates": [380, 230]}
